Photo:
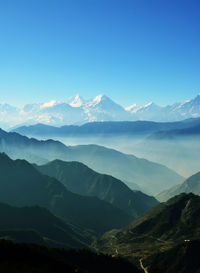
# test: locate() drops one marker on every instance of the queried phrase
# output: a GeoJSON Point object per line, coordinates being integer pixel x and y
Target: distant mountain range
{"type": "Point", "coordinates": [101, 108]}
{"type": "Point", "coordinates": [150, 177]}
{"type": "Point", "coordinates": [193, 130]}
{"type": "Point", "coordinates": [154, 130]}
{"type": "Point", "coordinates": [174, 112]}
{"type": "Point", "coordinates": [162, 240]}
{"type": "Point", "coordinates": [191, 184]}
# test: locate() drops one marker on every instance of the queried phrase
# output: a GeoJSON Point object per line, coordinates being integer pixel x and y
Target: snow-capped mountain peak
{"type": "Point", "coordinates": [76, 101]}
{"type": "Point", "coordinates": [100, 108]}
{"type": "Point", "coordinates": [132, 108]}
{"type": "Point", "coordinates": [182, 104]}
{"type": "Point", "coordinates": [190, 103]}
{"type": "Point", "coordinates": [149, 104]}
{"type": "Point", "coordinates": [96, 100]}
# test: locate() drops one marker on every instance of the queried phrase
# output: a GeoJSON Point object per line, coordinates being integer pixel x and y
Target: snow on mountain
{"type": "Point", "coordinates": [76, 101]}
{"type": "Point", "coordinates": [190, 107]}
{"type": "Point", "coordinates": [187, 109]}
{"type": "Point", "coordinates": [61, 114]}
{"type": "Point", "coordinates": [103, 102]}
{"type": "Point", "coordinates": [175, 112]}
{"type": "Point", "coordinates": [102, 108]}
{"type": "Point", "coordinates": [76, 110]}
{"type": "Point", "coordinates": [96, 100]}
{"type": "Point", "coordinates": [150, 111]}
{"type": "Point", "coordinates": [149, 107]}
{"type": "Point", "coordinates": [132, 108]}
{"type": "Point", "coordinates": [48, 104]}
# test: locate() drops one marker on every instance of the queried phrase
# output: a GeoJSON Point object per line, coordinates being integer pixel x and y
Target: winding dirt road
{"type": "Point", "coordinates": [142, 266]}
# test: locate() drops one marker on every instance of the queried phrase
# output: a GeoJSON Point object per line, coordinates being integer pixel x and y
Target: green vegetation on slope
{"type": "Point", "coordinates": [182, 258]}
{"type": "Point", "coordinates": [22, 185]}
{"type": "Point", "coordinates": [160, 229]}
{"type": "Point", "coordinates": [80, 179]}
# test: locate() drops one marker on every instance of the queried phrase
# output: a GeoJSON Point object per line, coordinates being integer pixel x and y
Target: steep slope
{"type": "Point", "coordinates": [189, 108]}
{"type": "Point", "coordinates": [150, 111]}
{"type": "Point", "coordinates": [102, 108]}
{"type": "Point", "coordinates": [151, 177]}
{"type": "Point", "coordinates": [17, 146]}
{"type": "Point", "coordinates": [80, 179]}
{"type": "Point", "coordinates": [22, 185]}
{"type": "Point", "coordinates": [192, 184]}
{"type": "Point", "coordinates": [182, 258]}
{"type": "Point", "coordinates": [161, 228]}
{"type": "Point", "coordinates": [38, 225]}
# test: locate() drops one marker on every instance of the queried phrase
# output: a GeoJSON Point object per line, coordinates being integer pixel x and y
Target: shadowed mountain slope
{"type": "Point", "coordinates": [26, 258]}
{"type": "Point", "coordinates": [38, 225]}
{"type": "Point", "coordinates": [22, 185]}
{"type": "Point", "coordinates": [160, 229]}
{"type": "Point", "coordinates": [80, 179]}
{"type": "Point", "coordinates": [182, 258]}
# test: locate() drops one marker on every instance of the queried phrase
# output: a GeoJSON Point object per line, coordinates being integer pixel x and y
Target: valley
{"type": "Point", "coordinates": [99, 136]}
{"type": "Point", "coordinates": [99, 198]}
{"type": "Point", "coordinates": [76, 205]}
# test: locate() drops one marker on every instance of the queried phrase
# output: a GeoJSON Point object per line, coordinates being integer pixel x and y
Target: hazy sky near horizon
{"type": "Point", "coordinates": [133, 51]}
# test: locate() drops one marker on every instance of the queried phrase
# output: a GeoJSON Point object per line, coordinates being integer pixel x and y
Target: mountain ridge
{"type": "Point", "coordinates": [49, 229]}
{"type": "Point", "coordinates": [82, 180]}
{"type": "Point", "coordinates": [191, 184]}
{"type": "Point", "coordinates": [108, 128]}
{"type": "Point", "coordinates": [22, 185]}
{"type": "Point", "coordinates": [101, 108]}
{"type": "Point", "coordinates": [167, 227]}
{"type": "Point", "coordinates": [149, 176]}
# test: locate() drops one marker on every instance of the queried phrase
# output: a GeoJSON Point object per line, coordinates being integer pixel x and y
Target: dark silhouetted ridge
{"type": "Point", "coordinates": [22, 185]}
{"type": "Point", "coordinates": [80, 179]}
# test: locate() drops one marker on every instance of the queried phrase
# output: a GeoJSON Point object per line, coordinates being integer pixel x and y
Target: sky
{"type": "Point", "coordinates": [133, 51]}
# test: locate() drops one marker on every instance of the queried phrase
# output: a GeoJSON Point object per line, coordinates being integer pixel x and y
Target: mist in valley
{"type": "Point", "coordinates": [179, 154]}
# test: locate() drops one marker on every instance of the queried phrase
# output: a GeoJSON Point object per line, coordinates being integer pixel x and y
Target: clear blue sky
{"type": "Point", "coordinates": [133, 51]}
